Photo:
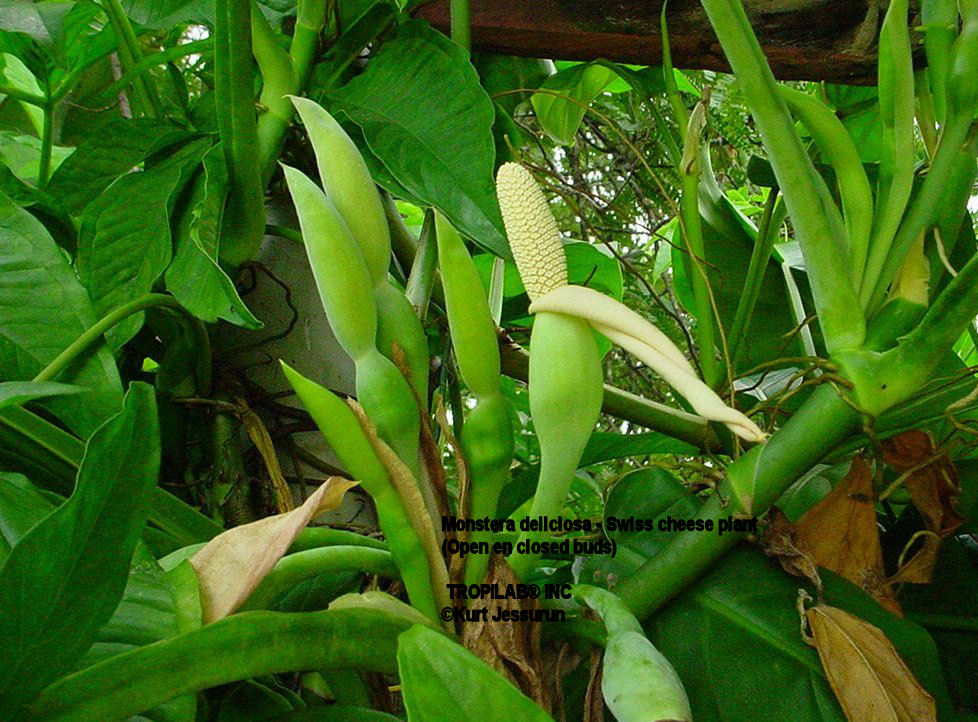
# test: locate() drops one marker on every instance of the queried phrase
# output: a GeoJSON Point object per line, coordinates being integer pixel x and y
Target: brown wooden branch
{"type": "Point", "coordinates": [832, 40]}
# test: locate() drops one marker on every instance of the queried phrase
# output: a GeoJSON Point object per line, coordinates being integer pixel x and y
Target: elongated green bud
{"type": "Point", "coordinates": [348, 185]}
{"type": "Point", "coordinates": [343, 432]}
{"type": "Point", "coordinates": [348, 299]}
{"type": "Point", "coordinates": [337, 265]}
{"type": "Point", "coordinates": [532, 230]}
{"type": "Point", "coordinates": [397, 323]}
{"type": "Point", "coordinates": [473, 331]}
{"type": "Point", "coordinates": [637, 682]}
{"type": "Point", "coordinates": [487, 437]}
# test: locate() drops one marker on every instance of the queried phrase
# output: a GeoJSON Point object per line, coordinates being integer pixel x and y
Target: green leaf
{"type": "Point", "coordinates": [22, 155]}
{"type": "Point", "coordinates": [429, 122]}
{"type": "Point", "coordinates": [43, 309]}
{"type": "Point", "coordinates": [442, 680]}
{"type": "Point", "coordinates": [648, 493]}
{"type": "Point", "coordinates": [121, 254]}
{"type": "Point", "coordinates": [571, 90]}
{"type": "Point", "coordinates": [63, 580]}
{"type": "Point", "coordinates": [17, 75]}
{"type": "Point", "coordinates": [111, 150]}
{"type": "Point", "coordinates": [744, 609]}
{"type": "Point", "coordinates": [16, 393]}
{"type": "Point", "coordinates": [501, 74]}
{"type": "Point", "coordinates": [194, 276]}
{"type": "Point", "coordinates": [858, 107]}
{"type": "Point", "coordinates": [21, 507]}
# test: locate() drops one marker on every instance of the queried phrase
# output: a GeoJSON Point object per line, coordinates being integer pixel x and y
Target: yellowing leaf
{"type": "Point", "coordinates": [232, 564]}
{"type": "Point", "coordinates": [869, 678]}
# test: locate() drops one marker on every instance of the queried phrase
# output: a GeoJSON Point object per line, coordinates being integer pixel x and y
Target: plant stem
{"type": "Point", "coordinates": [244, 219]}
{"type": "Point", "coordinates": [310, 17]}
{"type": "Point", "coordinates": [461, 24]}
{"type": "Point", "coordinates": [669, 78]}
{"type": "Point", "coordinates": [693, 234]}
{"type": "Point", "coordinates": [838, 307]}
{"type": "Point", "coordinates": [44, 163]}
{"type": "Point", "coordinates": [250, 644]}
{"type": "Point", "coordinates": [130, 55]}
{"type": "Point", "coordinates": [754, 481]}
{"type": "Point", "coordinates": [94, 334]}
{"type": "Point", "coordinates": [767, 232]}
{"type": "Point", "coordinates": [278, 81]}
{"type": "Point", "coordinates": [150, 61]}
{"type": "Point", "coordinates": [23, 96]}
{"type": "Point", "coordinates": [300, 566]}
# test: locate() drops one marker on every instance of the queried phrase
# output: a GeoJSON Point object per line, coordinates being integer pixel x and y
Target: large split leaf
{"type": "Point", "coordinates": [65, 577]}
{"type": "Point", "coordinates": [43, 309]}
{"type": "Point", "coordinates": [429, 122]}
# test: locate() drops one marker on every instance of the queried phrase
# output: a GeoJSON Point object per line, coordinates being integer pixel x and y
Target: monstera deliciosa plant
{"type": "Point", "coordinates": [347, 374]}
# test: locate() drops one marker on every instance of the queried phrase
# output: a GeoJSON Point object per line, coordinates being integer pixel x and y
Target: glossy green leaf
{"type": "Point", "coordinates": [194, 276]}
{"type": "Point", "coordinates": [744, 609]}
{"type": "Point", "coordinates": [112, 150]}
{"type": "Point", "coordinates": [429, 122]}
{"type": "Point", "coordinates": [43, 309]}
{"type": "Point", "coordinates": [121, 254]}
{"type": "Point", "coordinates": [567, 93]}
{"type": "Point", "coordinates": [440, 679]}
{"type": "Point", "coordinates": [21, 507]}
{"type": "Point", "coordinates": [16, 393]}
{"type": "Point", "coordinates": [65, 577]}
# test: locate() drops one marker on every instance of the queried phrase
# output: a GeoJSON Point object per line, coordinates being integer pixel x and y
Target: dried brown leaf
{"type": "Point", "coordinates": [931, 479]}
{"type": "Point", "coordinates": [780, 540]}
{"type": "Point", "coordinates": [512, 648]}
{"type": "Point", "coordinates": [870, 680]}
{"type": "Point", "coordinates": [266, 447]}
{"type": "Point", "coordinates": [593, 698]}
{"type": "Point", "coordinates": [231, 565]}
{"type": "Point", "coordinates": [840, 533]}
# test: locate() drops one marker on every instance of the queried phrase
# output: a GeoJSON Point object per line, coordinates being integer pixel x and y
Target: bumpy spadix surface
{"type": "Point", "coordinates": [532, 230]}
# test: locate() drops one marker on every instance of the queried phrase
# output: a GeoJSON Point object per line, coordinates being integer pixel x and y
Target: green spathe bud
{"type": "Point", "coordinates": [348, 185]}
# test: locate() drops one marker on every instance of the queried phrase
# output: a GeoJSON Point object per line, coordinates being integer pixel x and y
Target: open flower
{"type": "Point", "coordinates": [539, 255]}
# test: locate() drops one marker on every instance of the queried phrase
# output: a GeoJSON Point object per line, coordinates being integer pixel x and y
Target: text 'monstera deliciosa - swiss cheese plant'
{"type": "Point", "coordinates": [350, 373]}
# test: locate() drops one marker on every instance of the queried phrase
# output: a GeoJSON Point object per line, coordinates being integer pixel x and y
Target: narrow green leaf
{"type": "Point", "coordinates": [63, 580]}
{"type": "Point", "coordinates": [16, 393]}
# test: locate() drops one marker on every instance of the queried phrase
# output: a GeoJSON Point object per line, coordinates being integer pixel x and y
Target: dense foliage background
{"type": "Point", "coordinates": [152, 275]}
